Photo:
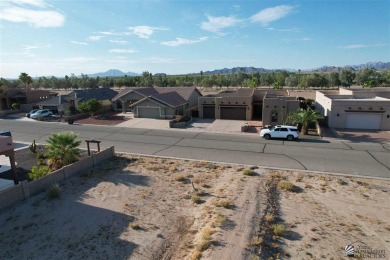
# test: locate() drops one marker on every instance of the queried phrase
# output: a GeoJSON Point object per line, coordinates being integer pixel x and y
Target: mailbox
{"type": "Point", "coordinates": [6, 143]}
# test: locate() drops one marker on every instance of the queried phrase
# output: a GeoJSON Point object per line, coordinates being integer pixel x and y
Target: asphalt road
{"type": "Point", "coordinates": [336, 156]}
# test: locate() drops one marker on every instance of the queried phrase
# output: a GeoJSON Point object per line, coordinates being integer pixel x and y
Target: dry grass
{"type": "Point", "coordinates": [227, 204]}
{"type": "Point", "coordinates": [180, 178]}
{"type": "Point", "coordinates": [256, 241]}
{"type": "Point", "coordinates": [279, 229]}
{"type": "Point", "coordinates": [269, 217]}
{"type": "Point", "coordinates": [287, 186]}
{"type": "Point", "coordinates": [249, 172]}
{"type": "Point", "coordinates": [196, 199]}
{"type": "Point", "coordinates": [135, 226]}
{"type": "Point", "coordinates": [219, 220]}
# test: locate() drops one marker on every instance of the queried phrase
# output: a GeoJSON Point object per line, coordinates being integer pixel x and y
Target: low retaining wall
{"type": "Point", "coordinates": [25, 189]}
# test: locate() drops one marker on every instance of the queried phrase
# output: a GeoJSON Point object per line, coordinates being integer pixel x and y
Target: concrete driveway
{"type": "Point", "coordinates": [363, 135]}
{"type": "Point", "coordinates": [198, 125]}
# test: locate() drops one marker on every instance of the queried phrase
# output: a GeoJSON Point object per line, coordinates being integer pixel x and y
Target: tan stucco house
{"type": "Point", "coordinates": [157, 102]}
{"type": "Point", "coordinates": [355, 108]}
{"type": "Point", "coordinates": [270, 106]}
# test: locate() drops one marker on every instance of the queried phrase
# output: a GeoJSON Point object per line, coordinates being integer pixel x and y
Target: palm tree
{"type": "Point", "coordinates": [25, 78]}
{"type": "Point", "coordinates": [303, 117]}
{"type": "Point", "coordinates": [62, 150]}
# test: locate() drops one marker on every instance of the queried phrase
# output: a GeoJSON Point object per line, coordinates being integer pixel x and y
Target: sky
{"type": "Point", "coordinates": [61, 37]}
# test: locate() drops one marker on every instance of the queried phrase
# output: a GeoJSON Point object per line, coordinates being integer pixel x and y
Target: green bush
{"type": "Point", "coordinates": [15, 106]}
{"type": "Point", "coordinates": [287, 186]}
{"type": "Point", "coordinates": [249, 172]}
{"type": "Point", "coordinates": [279, 229]}
{"type": "Point", "coordinates": [38, 172]}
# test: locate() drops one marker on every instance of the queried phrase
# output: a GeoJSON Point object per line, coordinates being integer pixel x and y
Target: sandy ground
{"type": "Point", "coordinates": [155, 208]}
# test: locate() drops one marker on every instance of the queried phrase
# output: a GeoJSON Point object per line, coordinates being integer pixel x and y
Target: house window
{"type": "Point", "coordinates": [274, 117]}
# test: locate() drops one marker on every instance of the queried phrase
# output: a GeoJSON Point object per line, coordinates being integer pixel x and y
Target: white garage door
{"type": "Point", "coordinates": [363, 121]}
{"type": "Point", "coordinates": [148, 112]}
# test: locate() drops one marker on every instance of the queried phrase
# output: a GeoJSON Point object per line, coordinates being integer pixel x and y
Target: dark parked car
{"type": "Point", "coordinates": [31, 112]}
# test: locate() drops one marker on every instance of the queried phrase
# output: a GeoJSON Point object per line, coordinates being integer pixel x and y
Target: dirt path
{"type": "Point", "coordinates": [234, 240]}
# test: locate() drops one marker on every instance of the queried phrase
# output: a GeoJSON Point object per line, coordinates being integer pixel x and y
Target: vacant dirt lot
{"type": "Point", "coordinates": [155, 208]}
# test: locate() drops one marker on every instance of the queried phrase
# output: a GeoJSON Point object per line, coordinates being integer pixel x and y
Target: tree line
{"type": "Point", "coordinates": [367, 77]}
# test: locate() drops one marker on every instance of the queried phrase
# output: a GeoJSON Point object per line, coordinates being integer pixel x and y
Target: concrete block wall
{"type": "Point", "coordinates": [26, 189]}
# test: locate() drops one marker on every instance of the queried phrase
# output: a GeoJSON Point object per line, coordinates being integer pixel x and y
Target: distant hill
{"type": "Point", "coordinates": [374, 65]}
{"type": "Point", "coordinates": [112, 73]}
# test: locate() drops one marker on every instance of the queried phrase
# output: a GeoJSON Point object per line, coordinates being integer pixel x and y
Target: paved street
{"type": "Point", "coordinates": [329, 155]}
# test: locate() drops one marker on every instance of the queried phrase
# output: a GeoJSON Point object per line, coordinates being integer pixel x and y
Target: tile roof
{"type": "Point", "coordinates": [61, 99]}
{"type": "Point", "coordinates": [184, 92]}
{"type": "Point", "coordinates": [97, 93]}
{"type": "Point", "coordinates": [172, 99]}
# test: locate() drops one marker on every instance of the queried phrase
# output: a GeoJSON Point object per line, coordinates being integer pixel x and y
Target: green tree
{"type": "Point", "coordinates": [147, 79]}
{"type": "Point", "coordinates": [304, 117]}
{"type": "Point", "coordinates": [292, 81]}
{"type": "Point", "coordinates": [334, 79]}
{"type": "Point", "coordinates": [347, 77]}
{"type": "Point", "coordinates": [90, 106]}
{"type": "Point", "coordinates": [25, 78]}
{"type": "Point", "coordinates": [62, 149]}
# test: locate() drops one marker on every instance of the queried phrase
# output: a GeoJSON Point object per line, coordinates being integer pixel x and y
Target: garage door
{"type": "Point", "coordinates": [148, 112]}
{"type": "Point", "coordinates": [53, 109]}
{"type": "Point", "coordinates": [363, 121]}
{"type": "Point", "coordinates": [235, 113]}
{"type": "Point", "coordinates": [209, 112]}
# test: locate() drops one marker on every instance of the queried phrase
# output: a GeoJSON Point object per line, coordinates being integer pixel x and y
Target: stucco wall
{"type": "Point", "coordinates": [340, 108]}
{"type": "Point", "coordinates": [281, 105]}
{"type": "Point", "coordinates": [193, 100]}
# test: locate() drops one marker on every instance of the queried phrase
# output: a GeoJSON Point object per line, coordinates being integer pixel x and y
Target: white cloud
{"type": "Point", "coordinates": [296, 30]}
{"type": "Point", "coordinates": [306, 39]}
{"type": "Point", "coordinates": [122, 51]}
{"type": "Point", "coordinates": [216, 24]}
{"type": "Point", "coordinates": [37, 3]}
{"type": "Point", "coordinates": [145, 31]}
{"type": "Point", "coordinates": [118, 41]}
{"type": "Point", "coordinates": [360, 46]}
{"type": "Point", "coordinates": [79, 43]}
{"type": "Point", "coordinates": [34, 18]}
{"type": "Point", "coordinates": [95, 37]}
{"type": "Point", "coordinates": [271, 14]}
{"type": "Point", "coordinates": [182, 41]}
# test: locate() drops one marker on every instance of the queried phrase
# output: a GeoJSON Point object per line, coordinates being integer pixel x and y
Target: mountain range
{"type": "Point", "coordinates": [249, 70]}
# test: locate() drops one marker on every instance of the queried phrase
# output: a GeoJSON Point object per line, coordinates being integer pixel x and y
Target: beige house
{"type": "Point", "coordinates": [157, 102]}
{"type": "Point", "coordinates": [228, 104]}
{"type": "Point", "coordinates": [355, 108]}
{"type": "Point", "coordinates": [276, 108]}
{"type": "Point", "coordinates": [270, 106]}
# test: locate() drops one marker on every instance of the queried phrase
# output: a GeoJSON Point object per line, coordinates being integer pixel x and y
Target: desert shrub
{"type": "Point", "coordinates": [219, 220]}
{"type": "Point", "coordinates": [54, 191]}
{"type": "Point", "coordinates": [196, 254]}
{"type": "Point", "coordinates": [135, 226]}
{"type": "Point", "coordinates": [341, 182]}
{"type": "Point", "coordinates": [180, 118]}
{"type": "Point", "coordinates": [269, 217]}
{"type": "Point", "coordinates": [90, 106]}
{"type": "Point", "coordinates": [287, 186]}
{"type": "Point", "coordinates": [196, 199]}
{"type": "Point", "coordinates": [180, 177]}
{"type": "Point", "coordinates": [279, 229]}
{"type": "Point", "coordinates": [38, 172]}
{"type": "Point", "coordinates": [249, 172]}
{"type": "Point", "coordinates": [256, 240]}
{"type": "Point", "coordinates": [227, 204]}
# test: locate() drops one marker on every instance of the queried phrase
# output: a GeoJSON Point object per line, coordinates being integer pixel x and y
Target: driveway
{"type": "Point", "coordinates": [363, 135]}
{"type": "Point", "coordinates": [198, 125]}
